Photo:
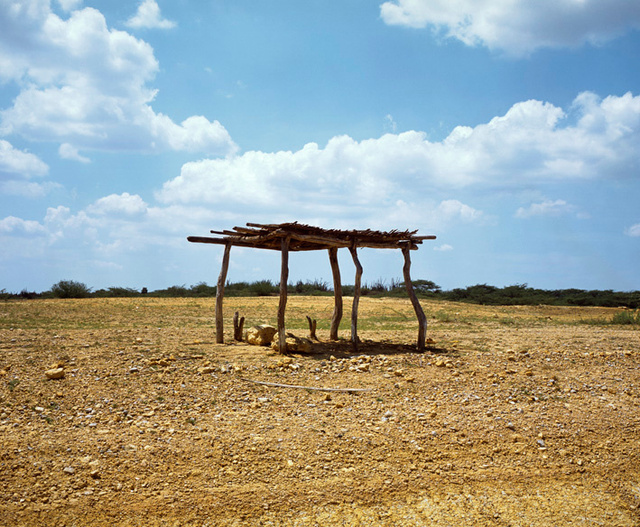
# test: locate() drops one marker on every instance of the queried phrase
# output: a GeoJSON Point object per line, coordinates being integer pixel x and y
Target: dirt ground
{"type": "Point", "coordinates": [517, 416]}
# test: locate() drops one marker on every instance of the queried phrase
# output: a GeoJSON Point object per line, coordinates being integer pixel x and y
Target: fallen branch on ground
{"type": "Point", "coordinates": [314, 388]}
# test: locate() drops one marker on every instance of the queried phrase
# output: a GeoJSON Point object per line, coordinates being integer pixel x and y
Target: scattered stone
{"type": "Point", "coordinates": [260, 335]}
{"type": "Point", "coordinates": [68, 470]}
{"type": "Point", "coordinates": [206, 369]}
{"type": "Point", "coordinates": [294, 344]}
{"type": "Point", "coordinates": [55, 373]}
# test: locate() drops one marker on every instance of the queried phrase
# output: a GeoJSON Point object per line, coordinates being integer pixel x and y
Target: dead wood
{"type": "Point", "coordinates": [422, 319]}
{"type": "Point", "coordinates": [314, 388]}
{"type": "Point", "coordinates": [336, 317]}
{"type": "Point", "coordinates": [356, 297]}
{"type": "Point", "coordinates": [238, 324]}
{"type": "Point", "coordinates": [312, 328]}
{"type": "Point", "coordinates": [220, 294]}
{"type": "Point", "coordinates": [284, 277]}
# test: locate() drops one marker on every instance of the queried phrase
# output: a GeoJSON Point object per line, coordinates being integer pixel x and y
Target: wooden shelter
{"type": "Point", "coordinates": [286, 237]}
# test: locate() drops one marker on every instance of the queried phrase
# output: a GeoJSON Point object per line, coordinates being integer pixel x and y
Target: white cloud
{"type": "Point", "coordinates": [86, 85]}
{"type": "Point", "coordinates": [532, 143]}
{"type": "Point", "coordinates": [148, 16]}
{"type": "Point", "coordinates": [26, 189]}
{"type": "Point", "coordinates": [69, 5]}
{"type": "Point", "coordinates": [634, 230]}
{"type": "Point", "coordinates": [11, 225]}
{"type": "Point", "coordinates": [445, 247]}
{"type": "Point", "coordinates": [20, 163]}
{"type": "Point", "coordinates": [67, 151]}
{"type": "Point", "coordinates": [119, 204]}
{"type": "Point", "coordinates": [389, 123]}
{"type": "Point", "coordinates": [518, 27]}
{"type": "Point", "coordinates": [547, 208]}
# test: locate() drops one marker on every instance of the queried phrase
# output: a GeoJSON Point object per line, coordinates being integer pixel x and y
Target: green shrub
{"type": "Point", "coordinates": [263, 288]}
{"type": "Point", "coordinates": [70, 289]}
{"type": "Point", "coordinates": [626, 317]}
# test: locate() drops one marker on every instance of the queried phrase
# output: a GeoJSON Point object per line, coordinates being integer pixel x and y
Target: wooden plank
{"type": "Point", "coordinates": [422, 319]}
{"type": "Point", "coordinates": [336, 317]}
{"type": "Point", "coordinates": [284, 277]}
{"type": "Point", "coordinates": [220, 294]}
{"type": "Point", "coordinates": [356, 297]}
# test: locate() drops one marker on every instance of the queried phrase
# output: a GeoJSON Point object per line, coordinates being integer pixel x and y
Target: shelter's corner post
{"type": "Point", "coordinates": [356, 295]}
{"type": "Point", "coordinates": [337, 292]}
{"type": "Point", "coordinates": [284, 278]}
{"type": "Point", "coordinates": [220, 294]}
{"type": "Point", "coordinates": [422, 319]}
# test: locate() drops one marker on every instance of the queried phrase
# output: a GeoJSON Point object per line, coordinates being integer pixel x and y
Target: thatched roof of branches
{"type": "Point", "coordinates": [308, 238]}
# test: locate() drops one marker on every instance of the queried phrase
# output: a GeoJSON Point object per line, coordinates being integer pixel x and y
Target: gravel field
{"type": "Point", "coordinates": [516, 416]}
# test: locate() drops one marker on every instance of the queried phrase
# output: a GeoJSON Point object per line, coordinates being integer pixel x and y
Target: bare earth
{"type": "Point", "coordinates": [520, 416]}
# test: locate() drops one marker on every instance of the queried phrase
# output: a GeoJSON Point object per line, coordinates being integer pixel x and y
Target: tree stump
{"type": "Point", "coordinates": [238, 324]}
{"type": "Point", "coordinates": [312, 328]}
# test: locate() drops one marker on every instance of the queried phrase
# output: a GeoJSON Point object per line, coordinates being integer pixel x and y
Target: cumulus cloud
{"type": "Point", "coordinates": [16, 162]}
{"type": "Point", "coordinates": [634, 230]}
{"type": "Point", "coordinates": [67, 151]}
{"type": "Point", "coordinates": [14, 225]}
{"type": "Point", "coordinates": [86, 85]}
{"type": "Point", "coordinates": [17, 167]}
{"type": "Point", "coordinates": [148, 16]}
{"type": "Point", "coordinates": [533, 142]}
{"type": "Point", "coordinates": [119, 204]}
{"type": "Point", "coordinates": [517, 27]}
{"type": "Point", "coordinates": [550, 208]}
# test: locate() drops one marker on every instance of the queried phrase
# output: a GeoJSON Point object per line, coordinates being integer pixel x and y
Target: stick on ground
{"type": "Point", "coordinates": [314, 388]}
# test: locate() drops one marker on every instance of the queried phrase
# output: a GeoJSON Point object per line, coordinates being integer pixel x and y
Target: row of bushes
{"type": "Point", "coordinates": [519, 294]}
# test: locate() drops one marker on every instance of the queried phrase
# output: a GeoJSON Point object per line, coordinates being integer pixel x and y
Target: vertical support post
{"type": "Point", "coordinates": [337, 292]}
{"type": "Point", "coordinates": [284, 277]}
{"type": "Point", "coordinates": [422, 319]}
{"type": "Point", "coordinates": [220, 294]}
{"type": "Point", "coordinates": [356, 296]}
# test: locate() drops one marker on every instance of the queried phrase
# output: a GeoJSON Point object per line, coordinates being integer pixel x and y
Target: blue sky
{"type": "Point", "coordinates": [509, 129]}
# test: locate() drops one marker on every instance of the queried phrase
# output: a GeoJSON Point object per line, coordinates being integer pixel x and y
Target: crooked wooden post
{"type": "Point", "coordinates": [222, 279]}
{"type": "Point", "coordinates": [422, 319]}
{"type": "Point", "coordinates": [284, 278]}
{"type": "Point", "coordinates": [356, 296]}
{"type": "Point", "coordinates": [337, 292]}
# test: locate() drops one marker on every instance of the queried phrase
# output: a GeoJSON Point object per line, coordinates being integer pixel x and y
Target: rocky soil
{"type": "Point", "coordinates": [520, 416]}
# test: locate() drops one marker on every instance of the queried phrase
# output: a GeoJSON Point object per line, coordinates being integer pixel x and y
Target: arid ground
{"type": "Point", "coordinates": [517, 416]}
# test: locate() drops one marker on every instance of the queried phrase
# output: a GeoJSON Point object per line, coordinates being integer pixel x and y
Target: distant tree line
{"type": "Point", "coordinates": [520, 294]}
